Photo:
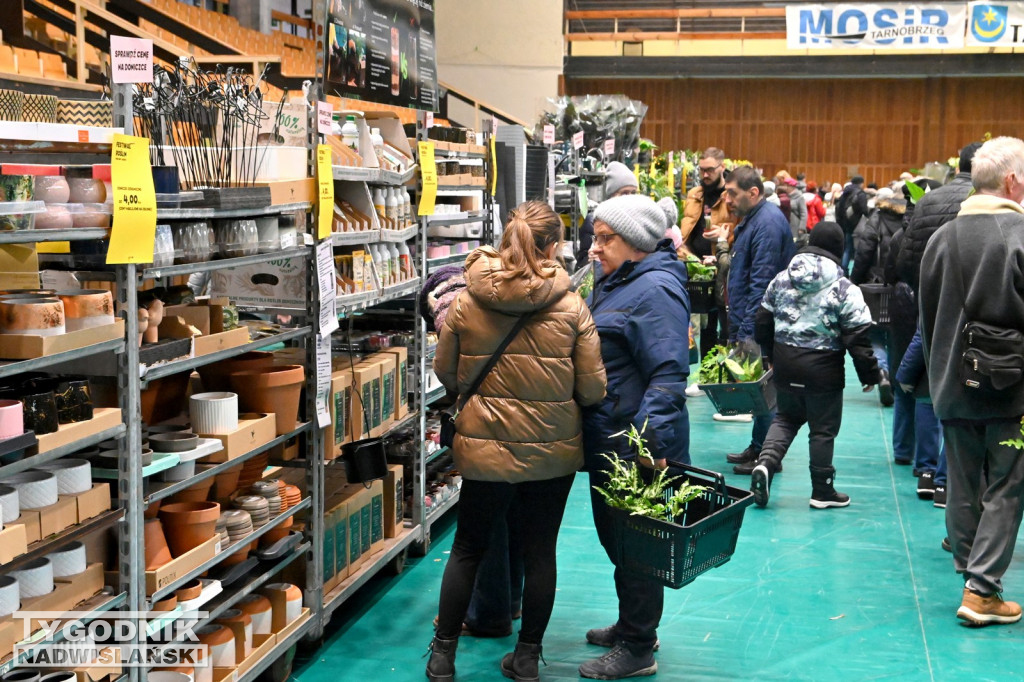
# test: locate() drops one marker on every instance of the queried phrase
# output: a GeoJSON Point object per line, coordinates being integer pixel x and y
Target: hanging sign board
{"type": "Point", "coordinates": [134, 224]}
{"type": "Point", "coordinates": [428, 173]}
{"type": "Point", "coordinates": [324, 114]}
{"type": "Point", "coordinates": [382, 51]}
{"type": "Point", "coordinates": [131, 60]}
{"type": "Point", "coordinates": [325, 181]}
{"type": "Point", "coordinates": [876, 26]}
{"type": "Point", "coordinates": [328, 288]}
{"type": "Point", "coordinates": [549, 134]}
{"type": "Point", "coordinates": [577, 140]}
{"type": "Point", "coordinates": [609, 147]}
{"type": "Point", "coordinates": [991, 25]}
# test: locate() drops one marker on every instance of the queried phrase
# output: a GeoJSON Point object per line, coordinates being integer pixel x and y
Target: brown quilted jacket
{"type": "Point", "coordinates": [524, 423]}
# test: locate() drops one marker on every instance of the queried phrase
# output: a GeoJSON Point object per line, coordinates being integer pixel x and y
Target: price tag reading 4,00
{"type": "Point", "coordinates": [134, 228]}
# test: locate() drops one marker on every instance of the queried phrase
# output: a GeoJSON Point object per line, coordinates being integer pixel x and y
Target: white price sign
{"type": "Point", "coordinates": [328, 288]}
{"type": "Point", "coordinates": [323, 381]}
{"type": "Point", "coordinates": [577, 140]}
{"type": "Point", "coordinates": [429, 119]}
{"type": "Point", "coordinates": [549, 134]}
{"type": "Point", "coordinates": [609, 147]}
{"type": "Point", "coordinates": [324, 114]}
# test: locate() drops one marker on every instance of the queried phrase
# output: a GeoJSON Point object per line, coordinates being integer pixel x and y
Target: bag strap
{"type": "Point", "coordinates": [493, 360]}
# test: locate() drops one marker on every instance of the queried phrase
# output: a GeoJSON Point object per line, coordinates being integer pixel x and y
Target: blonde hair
{"type": "Point", "coordinates": [996, 159]}
{"type": "Point", "coordinates": [532, 227]}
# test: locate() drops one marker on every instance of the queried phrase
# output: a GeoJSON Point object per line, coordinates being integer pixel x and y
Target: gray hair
{"type": "Point", "coordinates": [996, 159]}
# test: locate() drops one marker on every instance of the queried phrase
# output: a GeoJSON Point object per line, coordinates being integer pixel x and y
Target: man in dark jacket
{"type": "Point", "coordinates": [642, 313]}
{"type": "Point", "coordinates": [850, 208]}
{"type": "Point", "coordinates": [762, 247]}
{"type": "Point", "coordinates": [810, 316]}
{"type": "Point", "coordinates": [971, 272]}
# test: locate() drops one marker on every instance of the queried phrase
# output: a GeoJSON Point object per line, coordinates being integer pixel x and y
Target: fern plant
{"type": "Point", "coordinates": [627, 490]}
{"type": "Point", "coordinates": [1017, 443]}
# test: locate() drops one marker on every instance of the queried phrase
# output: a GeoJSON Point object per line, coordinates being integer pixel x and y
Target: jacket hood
{"type": "Point", "coordinates": [894, 206]}
{"type": "Point", "coordinates": [810, 272]}
{"type": "Point", "coordinates": [485, 283]}
{"type": "Point", "coordinates": [664, 258]}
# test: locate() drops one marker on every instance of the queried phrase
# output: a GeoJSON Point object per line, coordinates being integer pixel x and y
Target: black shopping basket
{"type": "Point", "coordinates": [703, 538]}
{"type": "Point", "coordinates": [743, 397]}
{"type": "Point", "coordinates": [877, 297]}
{"type": "Point", "coordinates": [702, 296]}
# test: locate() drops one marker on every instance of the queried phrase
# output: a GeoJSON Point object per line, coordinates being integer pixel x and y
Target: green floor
{"type": "Point", "coordinates": [859, 593]}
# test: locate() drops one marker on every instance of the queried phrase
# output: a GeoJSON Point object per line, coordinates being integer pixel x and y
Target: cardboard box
{"type": "Point", "coordinates": [358, 499]}
{"type": "Point", "coordinates": [42, 523]}
{"type": "Point", "coordinates": [103, 418]}
{"type": "Point", "coordinates": [282, 192]}
{"type": "Point", "coordinates": [364, 415]}
{"type": "Point", "coordinates": [394, 500]}
{"type": "Point", "coordinates": [10, 633]}
{"type": "Point", "coordinates": [261, 646]}
{"type": "Point", "coordinates": [330, 568]}
{"type": "Point", "coordinates": [388, 382]}
{"type": "Point", "coordinates": [339, 431]}
{"type": "Point", "coordinates": [28, 346]}
{"type": "Point", "coordinates": [376, 517]}
{"type": "Point", "coordinates": [275, 284]}
{"type": "Point", "coordinates": [401, 356]}
{"type": "Point", "coordinates": [225, 674]}
{"type": "Point", "coordinates": [341, 543]}
{"type": "Point", "coordinates": [204, 345]}
{"type": "Point", "coordinates": [197, 316]}
{"type": "Point", "coordinates": [174, 569]}
{"type": "Point", "coordinates": [91, 503]}
{"type": "Point", "coordinates": [19, 266]}
{"type": "Point", "coordinates": [253, 431]}
{"type": "Point", "coordinates": [105, 667]}
{"type": "Point", "coordinates": [13, 543]}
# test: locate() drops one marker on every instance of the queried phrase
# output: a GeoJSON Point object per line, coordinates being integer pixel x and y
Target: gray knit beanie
{"type": "Point", "coordinates": [667, 205]}
{"type": "Point", "coordinates": [635, 218]}
{"type": "Point", "coordinates": [617, 176]}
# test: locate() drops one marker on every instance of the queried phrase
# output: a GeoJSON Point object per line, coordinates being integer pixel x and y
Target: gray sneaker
{"type": "Point", "coordinates": [609, 637]}
{"type": "Point", "coordinates": [619, 663]}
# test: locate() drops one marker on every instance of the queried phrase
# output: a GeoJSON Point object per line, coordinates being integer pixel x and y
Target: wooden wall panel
{"type": "Point", "coordinates": [828, 129]}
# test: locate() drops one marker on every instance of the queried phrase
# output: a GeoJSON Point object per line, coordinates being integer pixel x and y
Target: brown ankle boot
{"type": "Point", "coordinates": [991, 610]}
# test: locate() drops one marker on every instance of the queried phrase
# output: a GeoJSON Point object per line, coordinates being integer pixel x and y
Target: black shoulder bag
{"type": "Point", "coordinates": [992, 357]}
{"type": "Point", "coordinates": [448, 414]}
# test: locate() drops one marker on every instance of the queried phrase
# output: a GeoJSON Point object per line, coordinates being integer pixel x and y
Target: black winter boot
{"type": "Point", "coordinates": [521, 664]}
{"type": "Point", "coordinates": [761, 478]}
{"type": "Point", "coordinates": [441, 666]}
{"type": "Point", "coordinates": [823, 495]}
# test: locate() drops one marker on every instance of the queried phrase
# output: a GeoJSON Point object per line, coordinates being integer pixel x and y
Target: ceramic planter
{"type": "Point", "coordinates": [292, 598]}
{"type": "Point", "coordinates": [74, 399]}
{"type": "Point", "coordinates": [36, 489]}
{"type": "Point", "coordinates": [86, 308]}
{"type": "Point", "coordinates": [53, 189]}
{"type": "Point", "coordinates": [12, 105]}
{"type": "Point", "coordinates": [167, 675]}
{"type": "Point", "coordinates": [259, 610]}
{"type": "Point", "coordinates": [35, 578]}
{"type": "Point", "coordinates": [40, 412]}
{"type": "Point", "coordinates": [85, 189]}
{"type": "Point", "coordinates": [157, 551]}
{"type": "Point", "coordinates": [272, 389]}
{"type": "Point", "coordinates": [277, 533]}
{"type": "Point", "coordinates": [188, 524]}
{"type": "Point", "coordinates": [34, 316]}
{"type": "Point", "coordinates": [226, 483]}
{"type": "Point", "coordinates": [174, 441]}
{"type": "Point", "coordinates": [91, 112]}
{"type": "Point", "coordinates": [213, 413]}
{"type": "Point", "coordinates": [69, 560]}
{"type": "Point", "coordinates": [152, 510]}
{"type": "Point", "coordinates": [9, 507]}
{"type": "Point", "coordinates": [238, 620]}
{"type": "Point", "coordinates": [11, 419]}
{"type": "Point", "coordinates": [22, 675]}
{"type": "Point", "coordinates": [10, 596]}
{"type": "Point", "coordinates": [221, 643]}
{"type": "Point", "coordinates": [200, 492]}
{"type": "Point", "coordinates": [74, 476]}
{"type": "Point", "coordinates": [164, 605]}
{"type": "Point", "coordinates": [189, 591]}
{"type": "Point", "coordinates": [39, 108]}
{"type": "Point", "coordinates": [164, 398]}
{"type": "Point", "coordinates": [61, 676]}
{"type": "Point", "coordinates": [217, 377]}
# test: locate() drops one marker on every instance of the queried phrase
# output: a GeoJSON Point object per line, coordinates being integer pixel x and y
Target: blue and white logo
{"type": "Point", "coordinates": [988, 22]}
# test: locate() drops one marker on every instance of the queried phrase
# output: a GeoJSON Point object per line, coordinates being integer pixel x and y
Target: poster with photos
{"type": "Point", "coordinates": [382, 51]}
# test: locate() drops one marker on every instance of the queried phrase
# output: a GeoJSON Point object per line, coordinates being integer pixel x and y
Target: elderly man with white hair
{"type": "Point", "coordinates": [972, 325]}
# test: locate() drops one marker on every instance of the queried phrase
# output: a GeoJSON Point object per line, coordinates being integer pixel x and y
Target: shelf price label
{"type": "Point", "coordinates": [549, 134]}
{"type": "Point", "coordinates": [577, 140]}
{"type": "Point", "coordinates": [609, 147]}
{"type": "Point", "coordinates": [428, 173]}
{"type": "Point", "coordinates": [494, 168]}
{"type": "Point", "coordinates": [134, 225]}
{"type": "Point", "coordinates": [325, 180]}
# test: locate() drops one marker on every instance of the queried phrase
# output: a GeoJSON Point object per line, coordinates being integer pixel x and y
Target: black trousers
{"type": "Point", "coordinates": [641, 600]}
{"type": "Point", "coordinates": [481, 505]}
{"type": "Point", "coordinates": [822, 412]}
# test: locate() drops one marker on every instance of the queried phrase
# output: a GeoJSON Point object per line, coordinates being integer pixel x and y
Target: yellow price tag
{"type": "Point", "coordinates": [428, 172]}
{"type": "Point", "coordinates": [670, 175]}
{"type": "Point", "coordinates": [494, 168]}
{"type": "Point", "coordinates": [134, 227]}
{"type": "Point", "coordinates": [325, 178]}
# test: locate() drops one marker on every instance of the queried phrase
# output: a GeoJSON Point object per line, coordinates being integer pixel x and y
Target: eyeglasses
{"type": "Point", "coordinates": [706, 171]}
{"type": "Point", "coordinates": [602, 239]}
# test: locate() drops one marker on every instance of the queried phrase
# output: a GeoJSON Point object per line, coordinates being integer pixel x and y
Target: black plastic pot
{"type": "Point", "coordinates": [365, 460]}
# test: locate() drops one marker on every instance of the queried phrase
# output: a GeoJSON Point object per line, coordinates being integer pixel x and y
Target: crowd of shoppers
{"type": "Point", "coordinates": [547, 381]}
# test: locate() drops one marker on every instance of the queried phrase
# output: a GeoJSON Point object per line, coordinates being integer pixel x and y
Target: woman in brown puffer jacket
{"type": "Point", "coordinates": [520, 435]}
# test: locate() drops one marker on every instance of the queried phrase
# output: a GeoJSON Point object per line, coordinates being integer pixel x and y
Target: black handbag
{"type": "Point", "coordinates": [449, 414]}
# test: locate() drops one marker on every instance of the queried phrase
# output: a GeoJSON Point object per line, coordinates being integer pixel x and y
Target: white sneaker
{"type": "Point", "coordinates": [742, 418]}
{"type": "Point", "coordinates": [693, 391]}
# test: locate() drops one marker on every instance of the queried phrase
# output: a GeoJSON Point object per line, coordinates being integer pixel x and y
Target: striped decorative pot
{"type": "Point", "coordinates": [12, 103]}
{"type": "Point", "coordinates": [85, 112]}
{"type": "Point", "coordinates": [40, 109]}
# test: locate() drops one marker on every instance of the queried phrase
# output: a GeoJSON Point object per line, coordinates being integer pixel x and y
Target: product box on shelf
{"type": "Point", "coordinates": [339, 431]}
{"type": "Point", "coordinates": [19, 267]}
{"type": "Point", "coordinates": [253, 431]}
{"type": "Point", "coordinates": [275, 284]}
{"type": "Point", "coordinates": [225, 674]}
{"type": "Point", "coordinates": [330, 574]}
{"type": "Point", "coordinates": [391, 130]}
{"type": "Point", "coordinates": [204, 345]}
{"type": "Point", "coordinates": [104, 668]}
{"type": "Point", "coordinates": [10, 633]}
{"type": "Point", "coordinates": [283, 192]}
{"type": "Point", "coordinates": [394, 500]}
{"type": "Point", "coordinates": [341, 544]}
{"type": "Point", "coordinates": [401, 356]}
{"type": "Point", "coordinates": [290, 629]}
{"type": "Point", "coordinates": [174, 569]}
{"type": "Point", "coordinates": [29, 346]}
{"type": "Point", "coordinates": [358, 501]}
{"type": "Point", "coordinates": [364, 415]}
{"type": "Point", "coordinates": [13, 542]}
{"type": "Point", "coordinates": [91, 503]}
{"type": "Point", "coordinates": [377, 517]}
{"type": "Point", "coordinates": [262, 645]}
{"type": "Point", "coordinates": [103, 418]}
{"type": "Point", "coordinates": [388, 364]}
{"type": "Point", "coordinates": [41, 523]}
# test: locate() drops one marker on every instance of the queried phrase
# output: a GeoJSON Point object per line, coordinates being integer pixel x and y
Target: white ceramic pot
{"type": "Point", "coordinates": [213, 413]}
{"type": "Point", "coordinates": [35, 579]}
{"type": "Point", "coordinates": [293, 605]}
{"type": "Point", "coordinates": [36, 489]}
{"type": "Point", "coordinates": [12, 419]}
{"type": "Point", "coordinates": [181, 472]}
{"type": "Point", "coordinates": [9, 504]}
{"type": "Point", "coordinates": [167, 676]}
{"type": "Point", "coordinates": [74, 476]}
{"type": "Point", "coordinates": [69, 560]}
{"type": "Point", "coordinates": [10, 596]}
{"type": "Point", "coordinates": [260, 611]}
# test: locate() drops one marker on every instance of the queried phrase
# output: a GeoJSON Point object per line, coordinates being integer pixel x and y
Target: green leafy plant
{"type": "Point", "coordinates": [724, 365]}
{"type": "Point", "coordinates": [712, 367]}
{"type": "Point", "coordinates": [1017, 443]}
{"type": "Point", "coordinates": [627, 490]}
{"type": "Point", "coordinates": [744, 368]}
{"type": "Point", "coordinates": [698, 272]}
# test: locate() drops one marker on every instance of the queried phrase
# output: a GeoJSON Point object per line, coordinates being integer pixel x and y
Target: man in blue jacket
{"type": "Point", "coordinates": [762, 247]}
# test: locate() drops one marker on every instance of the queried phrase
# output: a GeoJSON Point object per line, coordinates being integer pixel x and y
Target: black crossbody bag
{"type": "Point", "coordinates": [449, 414]}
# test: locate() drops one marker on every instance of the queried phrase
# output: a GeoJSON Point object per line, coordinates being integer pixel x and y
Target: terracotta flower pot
{"type": "Point", "coordinates": [200, 492]}
{"type": "Point", "coordinates": [86, 308]}
{"type": "Point", "coordinates": [166, 604]}
{"type": "Point", "coordinates": [164, 398]}
{"type": "Point", "coordinates": [152, 510]}
{"type": "Point", "coordinates": [225, 484]}
{"type": "Point", "coordinates": [272, 389]}
{"type": "Point", "coordinates": [157, 552]}
{"type": "Point", "coordinates": [221, 643]}
{"type": "Point", "coordinates": [188, 524]}
{"type": "Point", "coordinates": [36, 316]}
{"type": "Point", "coordinates": [278, 532]}
{"type": "Point", "coordinates": [236, 557]}
{"type": "Point", "coordinates": [259, 609]}
{"type": "Point", "coordinates": [217, 377]}
{"type": "Point", "coordinates": [189, 590]}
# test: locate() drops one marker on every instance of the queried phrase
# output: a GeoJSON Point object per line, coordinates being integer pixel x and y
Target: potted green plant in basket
{"type": "Point", "coordinates": [735, 380]}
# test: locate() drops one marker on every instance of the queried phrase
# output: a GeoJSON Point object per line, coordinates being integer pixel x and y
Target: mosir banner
{"type": "Point", "coordinates": [876, 26]}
